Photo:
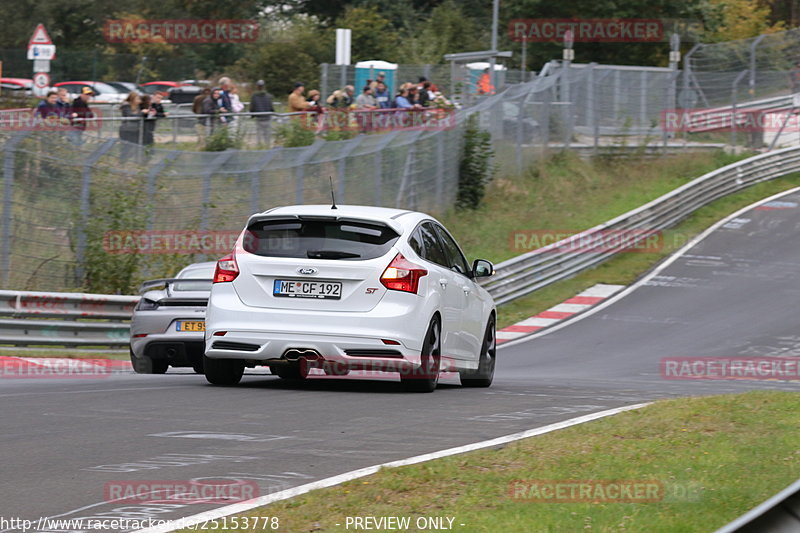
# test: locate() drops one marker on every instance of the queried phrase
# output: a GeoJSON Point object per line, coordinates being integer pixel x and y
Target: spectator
{"type": "Point", "coordinates": [261, 102]}
{"type": "Point", "coordinates": [413, 96]}
{"type": "Point", "coordinates": [79, 112]}
{"type": "Point", "coordinates": [401, 100]}
{"type": "Point", "coordinates": [131, 129]}
{"type": "Point", "coordinates": [197, 109]}
{"type": "Point", "coordinates": [314, 97]}
{"type": "Point", "coordinates": [381, 78]}
{"type": "Point", "coordinates": [296, 101]}
{"type": "Point", "coordinates": [382, 96]}
{"type": "Point", "coordinates": [63, 101]}
{"type": "Point", "coordinates": [429, 91]}
{"type": "Point", "coordinates": [349, 95]}
{"type": "Point", "coordinates": [150, 115]}
{"type": "Point", "coordinates": [48, 109]}
{"type": "Point", "coordinates": [156, 104]}
{"type": "Point", "coordinates": [336, 99]}
{"type": "Point", "coordinates": [225, 86]}
{"type": "Point", "coordinates": [236, 104]}
{"type": "Point", "coordinates": [366, 100]}
{"type": "Point", "coordinates": [214, 105]}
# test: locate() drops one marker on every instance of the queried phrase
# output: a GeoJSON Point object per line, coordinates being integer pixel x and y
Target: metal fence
{"type": "Point", "coordinates": [62, 193]}
{"type": "Point", "coordinates": [748, 69]}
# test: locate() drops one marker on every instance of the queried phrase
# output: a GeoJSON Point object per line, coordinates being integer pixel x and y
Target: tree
{"type": "Point", "coordinates": [373, 36]}
{"type": "Point", "coordinates": [728, 20]}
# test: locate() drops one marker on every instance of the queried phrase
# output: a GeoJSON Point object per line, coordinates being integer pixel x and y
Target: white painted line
{"type": "Point", "coordinates": [509, 334]}
{"type": "Point", "coordinates": [602, 290]}
{"type": "Point", "coordinates": [653, 273]}
{"type": "Point", "coordinates": [180, 523]}
{"type": "Point", "coordinates": [541, 322]}
{"type": "Point", "coordinates": [570, 308]}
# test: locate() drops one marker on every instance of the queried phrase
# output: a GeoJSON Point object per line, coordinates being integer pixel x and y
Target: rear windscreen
{"type": "Point", "coordinates": [319, 239]}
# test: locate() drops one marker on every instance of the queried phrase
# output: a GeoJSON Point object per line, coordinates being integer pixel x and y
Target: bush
{"type": "Point", "coordinates": [224, 138]}
{"type": "Point", "coordinates": [294, 133]}
{"type": "Point", "coordinates": [475, 170]}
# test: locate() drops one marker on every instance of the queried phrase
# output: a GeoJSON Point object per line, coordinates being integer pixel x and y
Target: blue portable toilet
{"type": "Point", "coordinates": [477, 68]}
{"type": "Point", "coordinates": [369, 70]}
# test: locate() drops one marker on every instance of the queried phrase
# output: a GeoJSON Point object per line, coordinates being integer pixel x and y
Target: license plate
{"type": "Point", "coordinates": [321, 290]}
{"type": "Point", "coordinates": [190, 325]}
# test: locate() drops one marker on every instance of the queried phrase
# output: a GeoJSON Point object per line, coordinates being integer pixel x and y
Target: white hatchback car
{"type": "Point", "coordinates": [349, 288]}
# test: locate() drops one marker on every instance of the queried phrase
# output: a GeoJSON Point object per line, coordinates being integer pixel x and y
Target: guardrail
{"type": "Point", "coordinates": [64, 319]}
{"type": "Point", "coordinates": [100, 320]}
{"type": "Point", "coordinates": [539, 268]}
{"type": "Point", "coordinates": [779, 513]}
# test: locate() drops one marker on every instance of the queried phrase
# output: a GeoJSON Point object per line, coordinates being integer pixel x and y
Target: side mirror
{"type": "Point", "coordinates": [482, 268]}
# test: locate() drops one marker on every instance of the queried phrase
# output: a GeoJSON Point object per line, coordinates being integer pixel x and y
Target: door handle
{"type": "Point", "coordinates": [466, 289]}
{"type": "Point", "coordinates": [443, 282]}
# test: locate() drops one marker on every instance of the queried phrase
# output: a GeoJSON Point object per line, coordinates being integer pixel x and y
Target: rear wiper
{"type": "Point", "coordinates": [330, 254]}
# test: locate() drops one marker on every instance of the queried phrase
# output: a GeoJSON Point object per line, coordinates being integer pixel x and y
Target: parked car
{"type": "Point", "coordinates": [103, 92]}
{"type": "Point", "coordinates": [126, 87]}
{"type": "Point", "coordinates": [17, 85]}
{"type": "Point", "coordinates": [152, 87]}
{"type": "Point", "coordinates": [349, 288]}
{"type": "Point", "coordinates": [168, 322]}
{"type": "Point", "coordinates": [184, 94]}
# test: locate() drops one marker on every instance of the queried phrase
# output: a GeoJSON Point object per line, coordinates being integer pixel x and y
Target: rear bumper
{"type": "Point", "coordinates": [354, 339]}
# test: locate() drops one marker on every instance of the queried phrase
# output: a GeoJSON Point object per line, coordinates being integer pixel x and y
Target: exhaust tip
{"type": "Point", "coordinates": [294, 354]}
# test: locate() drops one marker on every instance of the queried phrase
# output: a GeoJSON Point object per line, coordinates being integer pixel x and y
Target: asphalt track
{"type": "Point", "coordinates": [733, 294]}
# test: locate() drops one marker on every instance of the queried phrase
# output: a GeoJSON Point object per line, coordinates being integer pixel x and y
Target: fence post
{"type": "Point", "coordinates": [440, 167]}
{"type": "Point", "coordinates": [215, 164]}
{"type": "Point", "coordinates": [150, 191]}
{"type": "Point", "coordinates": [341, 167]}
{"type": "Point", "coordinates": [566, 107]}
{"type": "Point", "coordinates": [643, 100]}
{"type": "Point", "coordinates": [378, 165]}
{"type": "Point", "coordinates": [734, 91]}
{"type": "Point", "coordinates": [590, 112]}
{"type": "Point", "coordinates": [408, 174]}
{"type": "Point", "coordinates": [300, 173]}
{"type": "Point", "coordinates": [753, 46]}
{"type": "Point", "coordinates": [255, 180]}
{"type": "Point", "coordinates": [8, 196]}
{"type": "Point", "coordinates": [86, 184]}
{"type": "Point", "coordinates": [324, 81]}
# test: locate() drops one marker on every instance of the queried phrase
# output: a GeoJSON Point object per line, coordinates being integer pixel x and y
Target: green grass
{"type": "Point", "coordinates": [698, 449]}
{"type": "Point", "coordinates": [565, 193]}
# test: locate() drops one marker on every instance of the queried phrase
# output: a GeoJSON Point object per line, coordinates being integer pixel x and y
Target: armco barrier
{"type": "Point", "coordinates": [534, 270]}
{"type": "Point", "coordinates": [64, 319]}
{"type": "Point", "coordinates": [781, 513]}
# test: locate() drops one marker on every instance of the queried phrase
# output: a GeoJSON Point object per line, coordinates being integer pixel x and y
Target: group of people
{"type": "Point", "coordinates": [375, 95]}
{"type": "Point", "coordinates": [57, 109]}
{"type": "Point", "coordinates": [139, 115]}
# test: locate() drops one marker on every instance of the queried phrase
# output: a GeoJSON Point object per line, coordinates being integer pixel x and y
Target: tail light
{"type": "Point", "coordinates": [402, 275]}
{"type": "Point", "coordinates": [226, 269]}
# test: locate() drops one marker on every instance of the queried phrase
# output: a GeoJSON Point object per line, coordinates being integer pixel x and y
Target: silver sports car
{"type": "Point", "coordinates": [168, 323]}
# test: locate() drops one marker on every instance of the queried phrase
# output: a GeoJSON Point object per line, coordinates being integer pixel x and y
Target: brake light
{"type": "Point", "coordinates": [226, 269]}
{"type": "Point", "coordinates": [402, 275]}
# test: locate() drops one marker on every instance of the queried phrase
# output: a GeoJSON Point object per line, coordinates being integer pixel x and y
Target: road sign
{"type": "Point", "coordinates": [41, 80]}
{"type": "Point", "coordinates": [41, 65]}
{"type": "Point", "coordinates": [40, 36]}
{"type": "Point", "coordinates": [42, 51]}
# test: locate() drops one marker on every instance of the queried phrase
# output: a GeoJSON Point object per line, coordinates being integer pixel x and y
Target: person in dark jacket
{"type": "Point", "coordinates": [214, 105]}
{"type": "Point", "coordinates": [48, 110]}
{"type": "Point", "coordinates": [80, 111]}
{"type": "Point", "coordinates": [261, 102]}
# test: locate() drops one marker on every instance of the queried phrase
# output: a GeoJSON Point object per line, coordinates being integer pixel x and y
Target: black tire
{"type": "Point", "coordinates": [146, 365]}
{"type": "Point", "coordinates": [426, 376]}
{"type": "Point", "coordinates": [483, 376]}
{"type": "Point", "coordinates": [224, 372]}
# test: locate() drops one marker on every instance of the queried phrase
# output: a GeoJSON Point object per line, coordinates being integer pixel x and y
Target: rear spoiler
{"type": "Point", "coordinates": [152, 284]}
{"type": "Point", "coordinates": [263, 217]}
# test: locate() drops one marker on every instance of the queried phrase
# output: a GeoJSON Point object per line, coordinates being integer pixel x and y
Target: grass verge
{"type": "Point", "coordinates": [565, 193]}
{"type": "Point", "coordinates": [696, 449]}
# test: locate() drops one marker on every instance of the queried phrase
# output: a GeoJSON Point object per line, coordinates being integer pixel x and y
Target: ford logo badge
{"type": "Point", "coordinates": [307, 270]}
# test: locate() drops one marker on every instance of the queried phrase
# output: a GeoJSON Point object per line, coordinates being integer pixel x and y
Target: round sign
{"type": "Point", "coordinates": [41, 80]}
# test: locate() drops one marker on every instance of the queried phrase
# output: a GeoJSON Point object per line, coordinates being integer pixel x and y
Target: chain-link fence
{"type": "Point", "coordinates": [64, 192]}
{"type": "Point", "coordinates": [748, 69]}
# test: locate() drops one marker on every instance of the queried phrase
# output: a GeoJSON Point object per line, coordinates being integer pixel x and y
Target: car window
{"type": "Point", "coordinates": [431, 247]}
{"type": "Point", "coordinates": [455, 259]}
{"type": "Point", "coordinates": [319, 239]}
{"type": "Point", "coordinates": [415, 241]}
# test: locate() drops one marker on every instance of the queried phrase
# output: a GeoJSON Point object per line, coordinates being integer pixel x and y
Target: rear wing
{"type": "Point", "coordinates": [164, 282]}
